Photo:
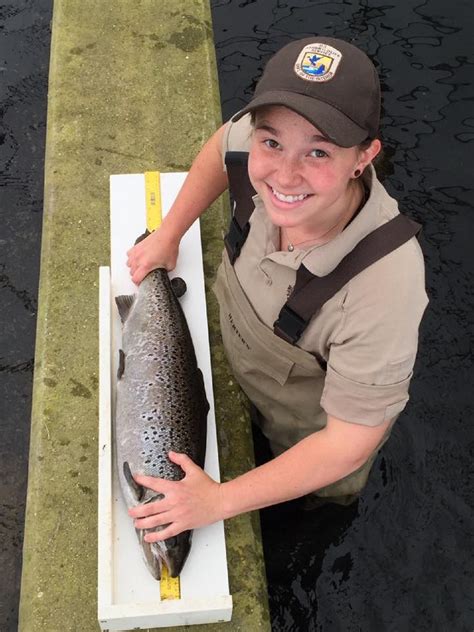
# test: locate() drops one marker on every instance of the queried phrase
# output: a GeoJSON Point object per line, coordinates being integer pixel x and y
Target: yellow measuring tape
{"type": "Point", "coordinates": [169, 586]}
{"type": "Point", "coordinates": [153, 200]}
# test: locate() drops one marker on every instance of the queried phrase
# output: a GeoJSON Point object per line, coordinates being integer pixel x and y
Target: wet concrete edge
{"type": "Point", "coordinates": [128, 82]}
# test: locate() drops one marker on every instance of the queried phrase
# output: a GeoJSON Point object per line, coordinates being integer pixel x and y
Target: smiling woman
{"type": "Point", "coordinates": [309, 185]}
{"type": "Point", "coordinates": [321, 287]}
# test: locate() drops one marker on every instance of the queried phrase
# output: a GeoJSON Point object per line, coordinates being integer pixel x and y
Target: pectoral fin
{"type": "Point", "coordinates": [137, 489]}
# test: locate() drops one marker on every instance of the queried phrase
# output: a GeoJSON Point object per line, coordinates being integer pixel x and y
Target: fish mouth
{"type": "Point", "coordinates": [171, 552]}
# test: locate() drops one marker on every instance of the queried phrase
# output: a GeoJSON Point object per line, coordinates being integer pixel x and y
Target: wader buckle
{"type": "Point", "coordinates": [235, 239]}
{"type": "Point", "coordinates": [289, 325]}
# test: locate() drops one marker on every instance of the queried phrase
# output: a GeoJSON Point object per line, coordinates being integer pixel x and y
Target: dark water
{"type": "Point", "coordinates": [402, 558]}
{"type": "Point", "coordinates": [24, 58]}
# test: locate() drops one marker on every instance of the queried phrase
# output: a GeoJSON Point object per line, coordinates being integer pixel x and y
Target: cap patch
{"type": "Point", "coordinates": [317, 62]}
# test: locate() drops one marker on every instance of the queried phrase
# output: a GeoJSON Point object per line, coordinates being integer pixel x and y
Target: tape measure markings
{"type": "Point", "coordinates": [170, 587]}
{"type": "Point", "coordinates": [153, 200]}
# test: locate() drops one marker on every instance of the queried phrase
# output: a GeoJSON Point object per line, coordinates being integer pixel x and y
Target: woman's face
{"type": "Point", "coordinates": [302, 178]}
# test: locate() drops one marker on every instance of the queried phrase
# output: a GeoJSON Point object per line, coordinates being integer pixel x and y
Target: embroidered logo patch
{"type": "Point", "coordinates": [317, 62]}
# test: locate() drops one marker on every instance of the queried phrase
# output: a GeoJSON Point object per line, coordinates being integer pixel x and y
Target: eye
{"type": "Point", "coordinates": [271, 143]}
{"type": "Point", "coordinates": [318, 153]}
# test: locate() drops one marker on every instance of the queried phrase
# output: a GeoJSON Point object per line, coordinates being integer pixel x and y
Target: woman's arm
{"type": "Point", "coordinates": [205, 181]}
{"type": "Point", "coordinates": [318, 460]}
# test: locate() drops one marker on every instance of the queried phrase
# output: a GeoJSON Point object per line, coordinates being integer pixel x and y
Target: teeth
{"type": "Point", "coordinates": [289, 198]}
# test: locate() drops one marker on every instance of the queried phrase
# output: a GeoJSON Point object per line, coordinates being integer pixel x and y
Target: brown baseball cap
{"type": "Point", "coordinates": [329, 82]}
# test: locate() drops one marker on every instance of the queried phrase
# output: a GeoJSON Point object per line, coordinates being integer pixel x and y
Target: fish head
{"type": "Point", "coordinates": [174, 551]}
{"type": "Point", "coordinates": [171, 552]}
{"type": "Point", "coordinates": [151, 556]}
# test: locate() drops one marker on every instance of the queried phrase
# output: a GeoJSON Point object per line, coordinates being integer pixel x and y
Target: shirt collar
{"type": "Point", "coordinates": [321, 260]}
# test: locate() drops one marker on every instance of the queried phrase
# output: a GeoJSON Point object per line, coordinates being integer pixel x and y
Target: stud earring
{"type": "Point", "coordinates": [357, 173]}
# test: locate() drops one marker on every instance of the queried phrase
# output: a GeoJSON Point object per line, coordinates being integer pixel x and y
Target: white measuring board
{"type": "Point", "coordinates": [128, 596]}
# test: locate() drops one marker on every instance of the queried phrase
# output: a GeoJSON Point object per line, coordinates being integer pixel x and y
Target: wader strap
{"type": "Point", "coordinates": [242, 192]}
{"type": "Point", "coordinates": [311, 292]}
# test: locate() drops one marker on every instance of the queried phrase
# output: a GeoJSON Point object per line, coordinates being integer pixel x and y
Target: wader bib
{"type": "Point", "coordinates": [284, 382]}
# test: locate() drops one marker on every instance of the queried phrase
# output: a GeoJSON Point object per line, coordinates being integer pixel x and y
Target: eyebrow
{"type": "Point", "coordinates": [271, 130]}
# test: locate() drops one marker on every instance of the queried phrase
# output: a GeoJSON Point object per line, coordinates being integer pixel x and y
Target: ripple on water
{"type": "Point", "coordinates": [402, 558]}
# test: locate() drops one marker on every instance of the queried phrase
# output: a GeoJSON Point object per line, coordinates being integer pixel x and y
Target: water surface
{"type": "Point", "coordinates": [24, 58]}
{"type": "Point", "coordinates": [401, 559]}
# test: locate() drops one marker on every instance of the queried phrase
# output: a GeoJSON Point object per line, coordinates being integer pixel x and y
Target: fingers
{"type": "Point", "coordinates": [148, 509]}
{"type": "Point", "coordinates": [151, 253]}
{"type": "Point", "coordinates": [152, 482]}
{"type": "Point", "coordinates": [183, 460]}
{"type": "Point", "coordinates": [168, 532]}
{"type": "Point", "coordinates": [138, 274]}
{"type": "Point", "coordinates": [157, 520]}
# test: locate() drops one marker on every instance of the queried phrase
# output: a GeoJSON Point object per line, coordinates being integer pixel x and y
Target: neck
{"type": "Point", "coordinates": [317, 235]}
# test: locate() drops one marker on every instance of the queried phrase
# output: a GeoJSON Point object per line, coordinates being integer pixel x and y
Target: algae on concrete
{"type": "Point", "coordinates": [132, 88]}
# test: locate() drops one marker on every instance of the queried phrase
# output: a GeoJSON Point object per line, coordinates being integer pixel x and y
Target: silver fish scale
{"type": "Point", "coordinates": [161, 401]}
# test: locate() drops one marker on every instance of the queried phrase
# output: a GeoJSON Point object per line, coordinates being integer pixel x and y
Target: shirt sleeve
{"type": "Point", "coordinates": [371, 358]}
{"type": "Point", "coordinates": [237, 135]}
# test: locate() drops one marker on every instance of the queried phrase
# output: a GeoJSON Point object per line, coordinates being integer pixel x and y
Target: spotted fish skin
{"type": "Point", "coordinates": [161, 404]}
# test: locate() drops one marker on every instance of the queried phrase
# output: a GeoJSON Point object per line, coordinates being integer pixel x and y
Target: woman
{"type": "Point", "coordinates": [321, 288]}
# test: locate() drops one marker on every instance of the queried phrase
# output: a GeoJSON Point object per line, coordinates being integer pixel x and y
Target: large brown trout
{"type": "Point", "coordinates": [161, 403]}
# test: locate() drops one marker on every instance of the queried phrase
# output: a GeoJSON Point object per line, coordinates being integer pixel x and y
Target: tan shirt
{"type": "Point", "coordinates": [368, 332]}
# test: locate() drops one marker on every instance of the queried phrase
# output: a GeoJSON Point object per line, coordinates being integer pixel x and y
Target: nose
{"type": "Point", "coordinates": [288, 174]}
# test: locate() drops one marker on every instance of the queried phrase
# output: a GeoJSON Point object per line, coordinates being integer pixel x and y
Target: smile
{"type": "Point", "coordinates": [289, 198]}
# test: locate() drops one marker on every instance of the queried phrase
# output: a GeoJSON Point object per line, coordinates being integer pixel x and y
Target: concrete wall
{"type": "Point", "coordinates": [133, 87]}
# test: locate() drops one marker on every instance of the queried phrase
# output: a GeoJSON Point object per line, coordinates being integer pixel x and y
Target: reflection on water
{"type": "Point", "coordinates": [401, 558]}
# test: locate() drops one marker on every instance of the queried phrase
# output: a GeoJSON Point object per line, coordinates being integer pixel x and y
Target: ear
{"type": "Point", "coordinates": [367, 154]}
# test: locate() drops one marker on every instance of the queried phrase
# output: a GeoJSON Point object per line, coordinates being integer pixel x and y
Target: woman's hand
{"type": "Point", "coordinates": [194, 501]}
{"type": "Point", "coordinates": [156, 251]}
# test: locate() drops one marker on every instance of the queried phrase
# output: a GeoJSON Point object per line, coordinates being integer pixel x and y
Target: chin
{"type": "Point", "coordinates": [285, 219]}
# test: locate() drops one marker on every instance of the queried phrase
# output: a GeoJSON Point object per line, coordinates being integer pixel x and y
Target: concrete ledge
{"type": "Point", "coordinates": [132, 87]}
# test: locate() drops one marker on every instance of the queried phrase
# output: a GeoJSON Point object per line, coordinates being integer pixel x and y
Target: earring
{"type": "Point", "coordinates": [357, 173]}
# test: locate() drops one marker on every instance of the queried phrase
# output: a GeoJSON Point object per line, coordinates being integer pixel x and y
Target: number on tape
{"type": "Point", "coordinates": [153, 200]}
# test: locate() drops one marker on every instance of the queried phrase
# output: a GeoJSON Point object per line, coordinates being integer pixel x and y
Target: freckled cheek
{"type": "Point", "coordinates": [258, 169]}
{"type": "Point", "coordinates": [325, 180]}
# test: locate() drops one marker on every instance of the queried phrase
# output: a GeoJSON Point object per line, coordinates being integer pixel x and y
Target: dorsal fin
{"type": "Point", "coordinates": [124, 304]}
{"type": "Point", "coordinates": [178, 285]}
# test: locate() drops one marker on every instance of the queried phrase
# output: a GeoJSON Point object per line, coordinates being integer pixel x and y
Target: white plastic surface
{"type": "Point", "coordinates": [128, 596]}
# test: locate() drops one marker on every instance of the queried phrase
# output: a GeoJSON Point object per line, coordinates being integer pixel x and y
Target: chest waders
{"type": "Point", "coordinates": [282, 380]}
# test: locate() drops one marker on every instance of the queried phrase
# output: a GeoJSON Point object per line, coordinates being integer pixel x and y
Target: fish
{"type": "Point", "coordinates": [160, 405]}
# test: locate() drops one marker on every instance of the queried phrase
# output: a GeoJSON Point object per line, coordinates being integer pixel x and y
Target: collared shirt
{"type": "Point", "coordinates": [368, 332]}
